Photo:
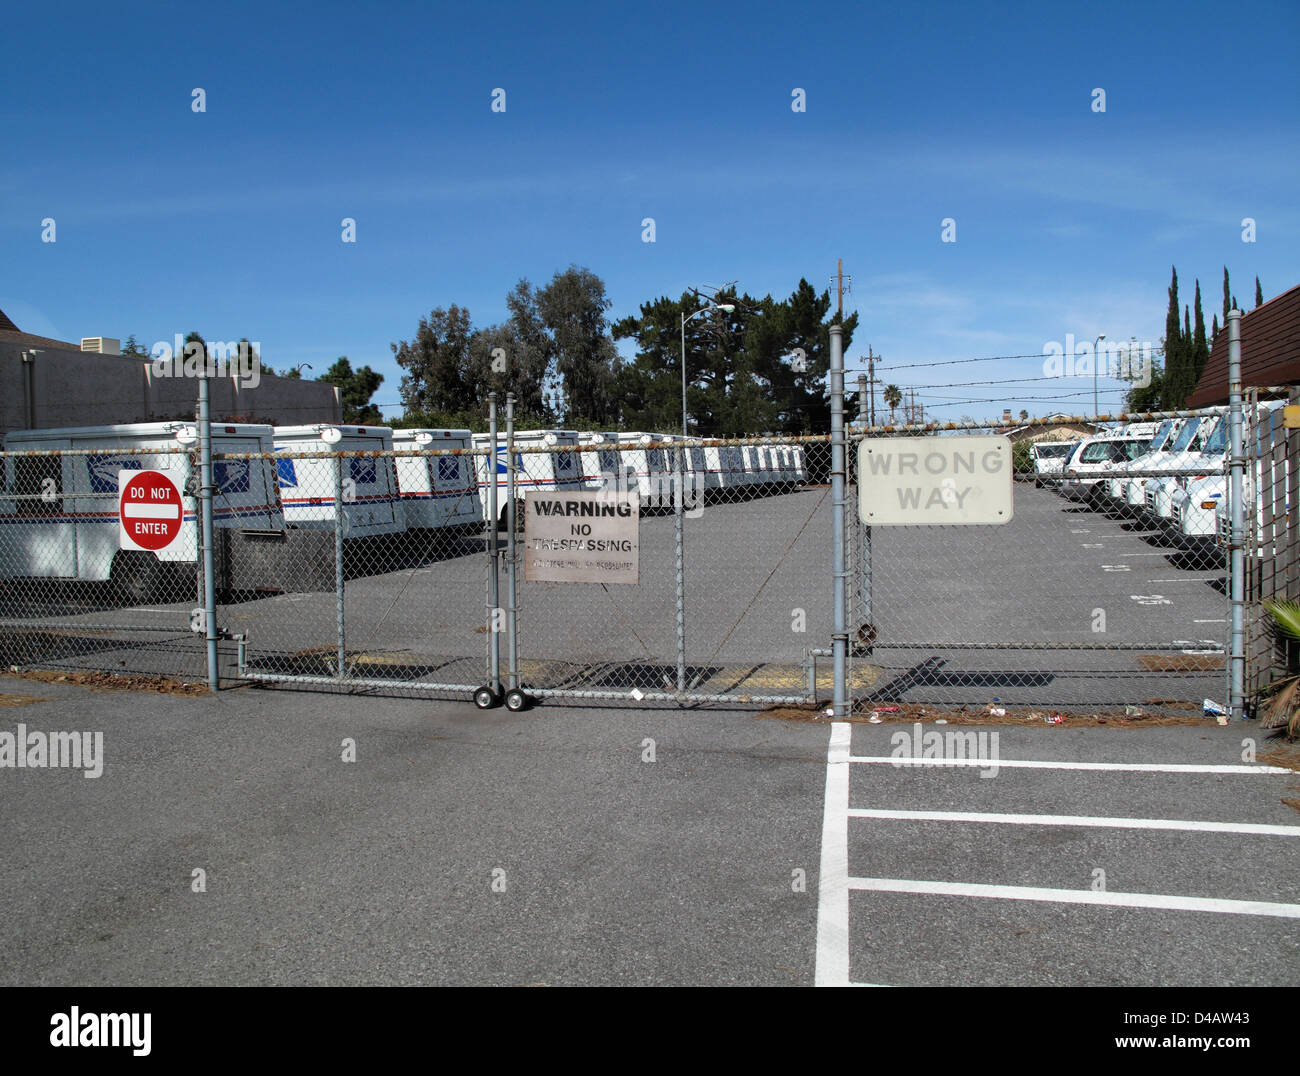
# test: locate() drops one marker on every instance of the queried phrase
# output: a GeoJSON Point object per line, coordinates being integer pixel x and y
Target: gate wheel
{"type": "Point", "coordinates": [516, 701]}
{"type": "Point", "coordinates": [485, 698]}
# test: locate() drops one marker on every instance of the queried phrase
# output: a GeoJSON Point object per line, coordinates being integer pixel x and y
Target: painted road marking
{"type": "Point", "coordinates": [1167, 902]}
{"type": "Point", "coordinates": [1035, 764]}
{"type": "Point", "coordinates": [833, 890]}
{"type": "Point", "coordinates": [1099, 821]}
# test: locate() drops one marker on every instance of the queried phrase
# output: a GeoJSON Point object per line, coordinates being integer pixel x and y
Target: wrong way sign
{"type": "Point", "coordinates": [149, 510]}
{"type": "Point", "coordinates": [934, 481]}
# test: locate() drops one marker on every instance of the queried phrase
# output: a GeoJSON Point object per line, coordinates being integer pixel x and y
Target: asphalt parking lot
{"type": "Point", "coordinates": [562, 846]}
{"type": "Point", "coordinates": [1063, 607]}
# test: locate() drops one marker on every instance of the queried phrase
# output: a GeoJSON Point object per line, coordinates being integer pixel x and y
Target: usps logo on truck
{"type": "Point", "coordinates": [149, 510]}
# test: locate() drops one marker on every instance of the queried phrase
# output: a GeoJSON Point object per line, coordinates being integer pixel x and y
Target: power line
{"type": "Point", "coordinates": [992, 358]}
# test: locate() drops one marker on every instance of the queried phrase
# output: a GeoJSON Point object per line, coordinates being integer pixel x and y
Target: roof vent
{"type": "Point", "coordinates": [102, 345]}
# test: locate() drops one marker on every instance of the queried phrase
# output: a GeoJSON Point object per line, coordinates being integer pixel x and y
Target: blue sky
{"type": "Point", "coordinates": [1068, 220]}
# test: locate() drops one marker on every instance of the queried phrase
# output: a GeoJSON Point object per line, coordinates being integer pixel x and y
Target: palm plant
{"type": "Point", "coordinates": [1284, 694]}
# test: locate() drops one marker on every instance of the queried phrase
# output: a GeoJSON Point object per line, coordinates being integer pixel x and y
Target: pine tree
{"type": "Point", "coordinates": [1259, 294]}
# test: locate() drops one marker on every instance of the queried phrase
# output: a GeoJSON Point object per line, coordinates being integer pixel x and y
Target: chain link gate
{"type": "Point", "coordinates": [1071, 604]}
{"type": "Point", "coordinates": [70, 597]}
{"type": "Point", "coordinates": [408, 588]}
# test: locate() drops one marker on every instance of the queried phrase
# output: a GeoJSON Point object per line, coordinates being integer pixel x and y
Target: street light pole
{"type": "Point", "coordinates": [726, 308]}
{"type": "Point", "coordinates": [1096, 344]}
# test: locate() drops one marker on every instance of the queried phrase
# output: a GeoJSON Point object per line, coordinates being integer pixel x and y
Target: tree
{"type": "Point", "coordinates": [437, 363]}
{"type": "Point", "coordinates": [132, 348]}
{"type": "Point", "coordinates": [1200, 346]}
{"type": "Point", "coordinates": [1259, 294]}
{"type": "Point", "coordinates": [759, 368]}
{"type": "Point", "coordinates": [1024, 415]}
{"type": "Point", "coordinates": [533, 350]}
{"type": "Point", "coordinates": [1144, 398]}
{"type": "Point", "coordinates": [1175, 379]}
{"type": "Point", "coordinates": [893, 397]}
{"type": "Point", "coordinates": [573, 308]}
{"type": "Point", "coordinates": [1227, 296]}
{"type": "Point", "coordinates": [1214, 329]}
{"type": "Point", "coordinates": [355, 389]}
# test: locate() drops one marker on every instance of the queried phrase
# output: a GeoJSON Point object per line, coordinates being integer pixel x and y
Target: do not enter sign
{"type": "Point", "coordinates": [149, 510]}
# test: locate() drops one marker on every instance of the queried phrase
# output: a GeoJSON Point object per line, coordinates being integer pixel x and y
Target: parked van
{"type": "Point", "coordinates": [59, 514]}
{"type": "Point", "coordinates": [534, 469]}
{"type": "Point", "coordinates": [1202, 443]}
{"type": "Point", "coordinates": [438, 492]}
{"type": "Point", "coordinates": [370, 498]}
{"type": "Point", "coordinates": [1116, 484]}
{"type": "Point", "coordinates": [1093, 460]}
{"type": "Point", "coordinates": [1049, 460]}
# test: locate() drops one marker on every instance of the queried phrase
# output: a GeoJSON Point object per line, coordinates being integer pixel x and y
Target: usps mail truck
{"type": "Point", "coordinates": [599, 460]}
{"type": "Point", "coordinates": [536, 466]}
{"type": "Point", "coordinates": [371, 506]}
{"type": "Point", "coordinates": [59, 513]}
{"type": "Point", "coordinates": [438, 492]}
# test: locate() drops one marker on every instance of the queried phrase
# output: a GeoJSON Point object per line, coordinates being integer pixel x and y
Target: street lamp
{"type": "Point", "coordinates": [726, 308]}
{"type": "Point", "coordinates": [1096, 343]}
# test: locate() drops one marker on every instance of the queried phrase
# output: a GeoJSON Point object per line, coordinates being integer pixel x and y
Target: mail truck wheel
{"type": "Point", "coordinates": [137, 576]}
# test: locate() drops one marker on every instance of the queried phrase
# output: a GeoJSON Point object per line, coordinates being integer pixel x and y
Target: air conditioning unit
{"type": "Point", "coordinates": [101, 345]}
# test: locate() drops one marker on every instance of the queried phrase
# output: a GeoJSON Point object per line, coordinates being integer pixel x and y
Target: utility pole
{"type": "Point", "coordinates": [871, 376]}
{"type": "Point", "coordinates": [862, 398]}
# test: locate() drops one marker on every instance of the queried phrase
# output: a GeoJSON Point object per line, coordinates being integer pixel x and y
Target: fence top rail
{"type": "Point", "coordinates": [528, 450]}
{"type": "Point", "coordinates": [102, 450]}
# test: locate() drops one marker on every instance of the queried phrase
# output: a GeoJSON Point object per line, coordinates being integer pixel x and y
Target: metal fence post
{"type": "Point", "coordinates": [840, 634]}
{"type": "Point", "coordinates": [206, 535]}
{"type": "Point", "coordinates": [338, 562]}
{"type": "Point", "coordinates": [511, 609]}
{"type": "Point", "coordinates": [494, 558]}
{"type": "Point", "coordinates": [1237, 528]}
{"type": "Point", "coordinates": [678, 502]}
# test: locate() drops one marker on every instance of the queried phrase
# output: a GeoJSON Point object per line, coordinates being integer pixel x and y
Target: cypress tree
{"type": "Point", "coordinates": [1215, 330]}
{"type": "Point", "coordinates": [1173, 351]}
{"type": "Point", "coordinates": [1227, 303]}
{"type": "Point", "coordinates": [1200, 347]}
{"type": "Point", "coordinates": [1259, 293]}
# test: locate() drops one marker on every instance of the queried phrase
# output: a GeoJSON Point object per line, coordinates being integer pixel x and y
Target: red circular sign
{"type": "Point", "coordinates": [149, 507]}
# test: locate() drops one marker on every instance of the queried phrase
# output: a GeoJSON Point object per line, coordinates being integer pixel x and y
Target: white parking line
{"type": "Point", "coordinates": [1098, 821]}
{"type": "Point", "coordinates": [1034, 764]}
{"type": "Point", "coordinates": [833, 891]}
{"type": "Point", "coordinates": [1079, 896]}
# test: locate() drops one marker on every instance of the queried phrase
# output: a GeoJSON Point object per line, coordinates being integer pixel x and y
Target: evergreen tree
{"type": "Point", "coordinates": [1259, 294]}
{"type": "Point", "coordinates": [131, 347]}
{"type": "Point", "coordinates": [1174, 366]}
{"type": "Point", "coordinates": [1227, 300]}
{"type": "Point", "coordinates": [355, 389]}
{"type": "Point", "coordinates": [1200, 346]}
{"type": "Point", "coordinates": [1214, 331]}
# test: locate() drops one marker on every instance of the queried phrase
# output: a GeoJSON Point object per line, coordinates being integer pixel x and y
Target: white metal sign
{"type": "Point", "coordinates": [932, 481]}
{"type": "Point", "coordinates": [581, 537]}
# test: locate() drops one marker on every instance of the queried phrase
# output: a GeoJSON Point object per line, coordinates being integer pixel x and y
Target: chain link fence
{"type": "Point", "coordinates": [365, 559]}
